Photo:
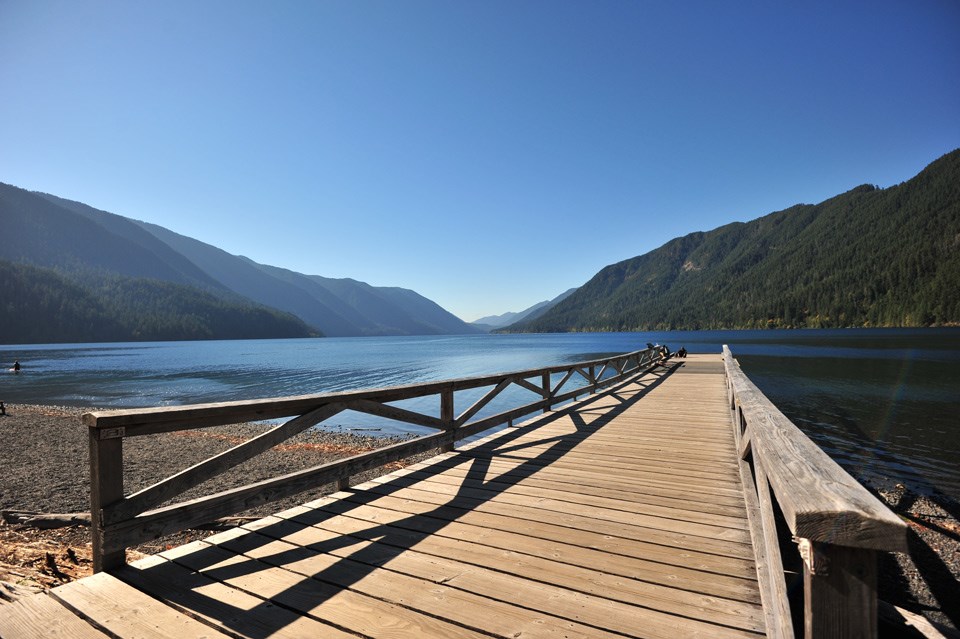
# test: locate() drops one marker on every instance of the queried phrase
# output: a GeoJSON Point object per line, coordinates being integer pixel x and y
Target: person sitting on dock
{"type": "Point", "coordinates": [682, 352]}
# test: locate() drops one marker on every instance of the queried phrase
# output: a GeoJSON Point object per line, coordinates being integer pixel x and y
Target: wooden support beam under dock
{"type": "Point", "coordinates": [621, 515]}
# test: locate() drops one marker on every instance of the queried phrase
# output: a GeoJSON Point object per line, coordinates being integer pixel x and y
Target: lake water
{"type": "Point", "coordinates": [885, 403]}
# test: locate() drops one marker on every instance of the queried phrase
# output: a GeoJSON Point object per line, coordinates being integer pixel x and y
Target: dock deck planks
{"type": "Point", "coordinates": [619, 516]}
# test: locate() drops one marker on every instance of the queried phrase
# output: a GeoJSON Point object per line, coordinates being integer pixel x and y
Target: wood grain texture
{"type": "Point", "coordinates": [840, 599]}
{"type": "Point", "coordinates": [621, 515]}
{"type": "Point", "coordinates": [124, 611]}
{"type": "Point", "coordinates": [819, 499]}
{"type": "Point", "coordinates": [174, 485]}
{"type": "Point", "coordinates": [42, 616]}
{"type": "Point", "coordinates": [120, 521]}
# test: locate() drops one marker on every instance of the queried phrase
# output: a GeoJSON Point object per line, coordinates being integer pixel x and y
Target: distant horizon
{"type": "Point", "coordinates": [531, 304]}
{"type": "Point", "coordinates": [487, 156]}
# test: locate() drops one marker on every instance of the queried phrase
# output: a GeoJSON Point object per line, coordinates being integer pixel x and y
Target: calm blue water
{"type": "Point", "coordinates": [885, 403]}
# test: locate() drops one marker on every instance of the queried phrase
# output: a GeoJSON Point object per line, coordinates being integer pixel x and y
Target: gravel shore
{"type": "Point", "coordinates": [45, 458]}
{"type": "Point", "coordinates": [44, 461]}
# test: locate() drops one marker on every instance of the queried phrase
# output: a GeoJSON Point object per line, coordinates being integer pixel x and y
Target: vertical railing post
{"type": "Point", "coordinates": [106, 487]}
{"type": "Point", "coordinates": [545, 378]}
{"type": "Point", "coordinates": [446, 416]}
{"type": "Point", "coordinates": [839, 591]}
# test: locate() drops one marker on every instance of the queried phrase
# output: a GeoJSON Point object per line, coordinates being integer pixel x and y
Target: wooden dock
{"type": "Point", "coordinates": [619, 515]}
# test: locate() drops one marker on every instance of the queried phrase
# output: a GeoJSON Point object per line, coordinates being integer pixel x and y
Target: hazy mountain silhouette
{"type": "Point", "coordinates": [100, 251]}
{"type": "Point", "coordinates": [492, 322]}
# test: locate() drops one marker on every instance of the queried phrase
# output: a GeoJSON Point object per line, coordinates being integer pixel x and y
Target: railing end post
{"type": "Point", "coordinates": [106, 487]}
{"type": "Point", "coordinates": [839, 591]}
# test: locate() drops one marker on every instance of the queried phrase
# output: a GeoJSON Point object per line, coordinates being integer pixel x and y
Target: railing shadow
{"type": "Point", "coordinates": [934, 573]}
{"type": "Point", "coordinates": [340, 568]}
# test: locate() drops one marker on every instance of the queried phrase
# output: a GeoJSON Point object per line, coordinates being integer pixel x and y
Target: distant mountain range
{"type": "Point", "coordinates": [70, 272]}
{"type": "Point", "coordinates": [492, 322]}
{"type": "Point", "coordinates": [868, 257]}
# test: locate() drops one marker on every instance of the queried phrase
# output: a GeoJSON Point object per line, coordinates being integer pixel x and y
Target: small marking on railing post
{"type": "Point", "coordinates": [816, 562]}
{"type": "Point", "coordinates": [111, 433]}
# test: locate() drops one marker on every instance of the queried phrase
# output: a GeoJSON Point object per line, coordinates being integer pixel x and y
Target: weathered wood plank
{"type": "Point", "coordinates": [223, 607]}
{"type": "Point", "coordinates": [279, 603]}
{"type": "Point", "coordinates": [310, 581]}
{"type": "Point", "coordinates": [186, 479]}
{"type": "Point", "coordinates": [372, 407]}
{"type": "Point", "coordinates": [559, 528]}
{"type": "Point", "coordinates": [839, 592]}
{"type": "Point", "coordinates": [654, 476]}
{"type": "Point", "coordinates": [43, 616]}
{"type": "Point", "coordinates": [462, 556]}
{"type": "Point", "coordinates": [124, 611]}
{"type": "Point", "coordinates": [478, 405]}
{"type": "Point", "coordinates": [106, 488]}
{"type": "Point", "coordinates": [819, 499]}
{"type": "Point", "coordinates": [778, 618]}
{"type": "Point", "coordinates": [781, 624]}
{"type": "Point", "coordinates": [484, 582]}
{"type": "Point", "coordinates": [573, 524]}
{"type": "Point", "coordinates": [613, 553]}
{"type": "Point", "coordinates": [548, 455]}
{"type": "Point", "coordinates": [608, 509]}
{"type": "Point", "coordinates": [162, 521]}
{"type": "Point", "coordinates": [625, 497]}
{"type": "Point", "coordinates": [568, 517]}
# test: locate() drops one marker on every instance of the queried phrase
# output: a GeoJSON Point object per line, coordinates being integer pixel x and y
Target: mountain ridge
{"type": "Point", "coordinates": [491, 322]}
{"type": "Point", "coordinates": [100, 252]}
{"type": "Point", "coordinates": [866, 257]}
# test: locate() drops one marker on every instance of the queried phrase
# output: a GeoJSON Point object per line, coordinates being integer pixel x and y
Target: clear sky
{"type": "Point", "coordinates": [487, 154]}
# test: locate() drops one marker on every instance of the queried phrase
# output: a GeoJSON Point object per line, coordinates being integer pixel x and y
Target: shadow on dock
{"type": "Point", "coordinates": [249, 551]}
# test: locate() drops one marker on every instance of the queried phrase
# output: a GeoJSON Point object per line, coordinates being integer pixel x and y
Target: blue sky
{"type": "Point", "coordinates": [488, 155]}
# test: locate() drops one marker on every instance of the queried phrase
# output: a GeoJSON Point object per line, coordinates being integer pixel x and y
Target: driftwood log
{"type": "Point", "coordinates": [47, 521]}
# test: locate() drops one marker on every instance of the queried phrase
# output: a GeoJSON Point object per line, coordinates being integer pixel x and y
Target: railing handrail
{"type": "Point", "coordinates": [837, 524]}
{"type": "Point", "coordinates": [152, 420]}
{"type": "Point", "coordinates": [119, 521]}
{"type": "Point", "coordinates": [819, 499]}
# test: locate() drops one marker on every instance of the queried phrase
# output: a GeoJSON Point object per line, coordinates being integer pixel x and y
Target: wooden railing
{"type": "Point", "coordinates": [836, 524]}
{"type": "Point", "coordinates": [119, 521]}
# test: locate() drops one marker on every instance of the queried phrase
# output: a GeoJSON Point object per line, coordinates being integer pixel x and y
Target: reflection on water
{"type": "Point", "coordinates": [880, 418]}
{"type": "Point", "coordinates": [884, 403]}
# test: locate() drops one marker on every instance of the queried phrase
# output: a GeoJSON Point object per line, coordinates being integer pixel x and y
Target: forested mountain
{"type": "Point", "coordinates": [178, 279]}
{"type": "Point", "coordinates": [492, 322]}
{"type": "Point", "coordinates": [338, 307]}
{"type": "Point", "coordinates": [44, 233]}
{"type": "Point", "coordinates": [868, 257]}
{"type": "Point", "coordinates": [42, 306]}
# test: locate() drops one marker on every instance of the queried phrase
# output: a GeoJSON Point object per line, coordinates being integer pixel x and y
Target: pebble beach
{"type": "Point", "coordinates": [45, 459]}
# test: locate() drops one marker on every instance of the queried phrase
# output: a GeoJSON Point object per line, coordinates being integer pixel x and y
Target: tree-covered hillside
{"type": "Point", "coordinates": [41, 306]}
{"type": "Point", "coordinates": [90, 248]}
{"type": "Point", "coordinates": [868, 257]}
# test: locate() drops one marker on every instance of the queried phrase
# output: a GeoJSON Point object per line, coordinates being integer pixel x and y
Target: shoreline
{"type": "Point", "coordinates": [46, 470]}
